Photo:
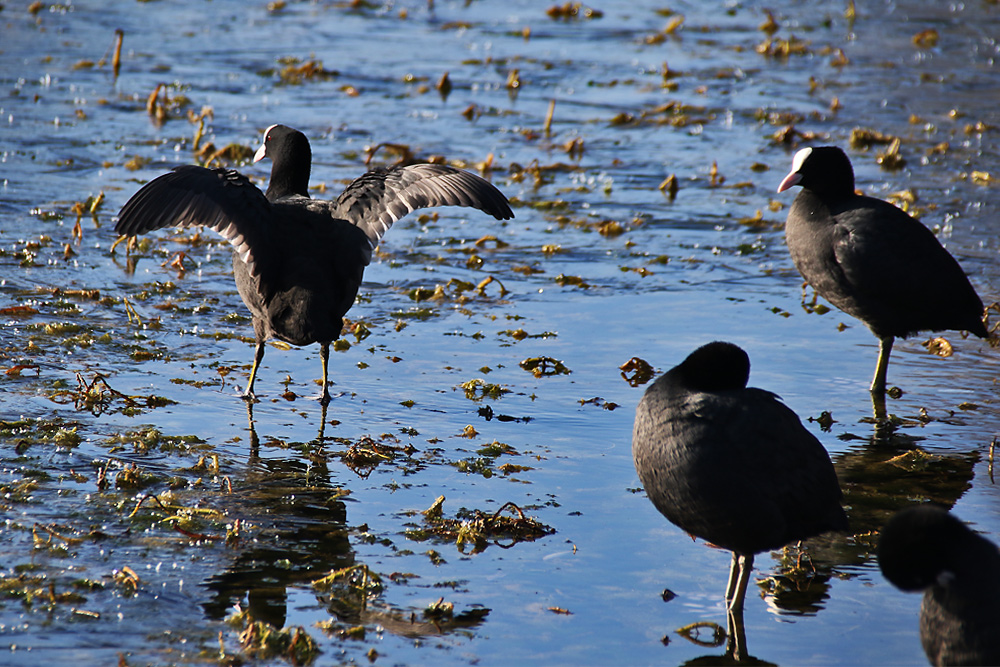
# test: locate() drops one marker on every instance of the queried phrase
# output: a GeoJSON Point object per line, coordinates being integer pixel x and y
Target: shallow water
{"type": "Point", "coordinates": [684, 271]}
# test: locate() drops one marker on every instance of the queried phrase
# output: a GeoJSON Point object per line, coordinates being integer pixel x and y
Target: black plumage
{"type": "Point", "coordinates": [871, 259]}
{"type": "Point", "coordinates": [730, 464]}
{"type": "Point", "coordinates": [298, 262]}
{"type": "Point", "coordinates": [925, 548]}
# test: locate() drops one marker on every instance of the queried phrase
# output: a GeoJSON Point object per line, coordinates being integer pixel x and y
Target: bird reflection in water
{"type": "Point", "coordinates": [301, 534]}
{"type": "Point", "coordinates": [302, 542]}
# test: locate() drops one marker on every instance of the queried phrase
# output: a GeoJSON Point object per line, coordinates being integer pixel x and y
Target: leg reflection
{"type": "Point", "coordinates": [254, 440]}
{"type": "Point", "coordinates": [736, 638]}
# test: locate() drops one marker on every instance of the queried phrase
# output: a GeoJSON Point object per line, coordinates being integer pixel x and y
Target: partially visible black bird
{"type": "Point", "coordinates": [730, 464]}
{"type": "Point", "coordinates": [925, 548]}
{"type": "Point", "coordinates": [871, 259]}
{"type": "Point", "coordinates": [299, 262]}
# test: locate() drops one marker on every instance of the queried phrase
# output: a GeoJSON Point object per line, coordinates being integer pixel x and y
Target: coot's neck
{"type": "Point", "coordinates": [832, 192]}
{"type": "Point", "coordinates": [290, 172]}
{"type": "Point", "coordinates": [976, 563]}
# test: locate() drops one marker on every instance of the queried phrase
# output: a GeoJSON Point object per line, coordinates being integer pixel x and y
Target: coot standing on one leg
{"type": "Point", "coordinates": [298, 262]}
{"type": "Point", "coordinates": [730, 464]}
{"type": "Point", "coordinates": [924, 548]}
{"type": "Point", "coordinates": [871, 259]}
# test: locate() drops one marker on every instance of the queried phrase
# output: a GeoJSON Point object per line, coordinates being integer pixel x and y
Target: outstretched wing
{"type": "Point", "coordinates": [379, 198]}
{"type": "Point", "coordinates": [222, 199]}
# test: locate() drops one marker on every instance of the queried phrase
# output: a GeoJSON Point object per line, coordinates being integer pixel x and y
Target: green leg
{"type": "Point", "coordinates": [324, 357]}
{"type": "Point", "coordinates": [734, 574]}
{"type": "Point", "coordinates": [882, 369]}
{"type": "Point", "coordinates": [257, 357]}
{"type": "Point", "coordinates": [735, 603]}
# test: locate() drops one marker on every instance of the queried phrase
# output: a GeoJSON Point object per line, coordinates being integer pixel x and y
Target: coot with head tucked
{"type": "Point", "coordinates": [871, 259]}
{"type": "Point", "coordinates": [298, 262]}
{"type": "Point", "coordinates": [924, 548]}
{"type": "Point", "coordinates": [730, 464]}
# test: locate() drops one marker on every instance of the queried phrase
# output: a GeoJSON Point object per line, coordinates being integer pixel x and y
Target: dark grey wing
{"type": "Point", "coordinates": [903, 278]}
{"type": "Point", "coordinates": [222, 199]}
{"type": "Point", "coordinates": [736, 468]}
{"type": "Point", "coordinates": [379, 198]}
{"type": "Point", "coordinates": [802, 479]}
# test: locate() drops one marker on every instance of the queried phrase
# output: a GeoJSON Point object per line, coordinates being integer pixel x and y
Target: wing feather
{"type": "Point", "coordinates": [222, 199]}
{"type": "Point", "coordinates": [378, 199]}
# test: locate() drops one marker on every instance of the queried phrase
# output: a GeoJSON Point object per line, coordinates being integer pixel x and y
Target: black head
{"type": "Point", "coordinates": [716, 366]}
{"type": "Point", "coordinates": [825, 170]}
{"type": "Point", "coordinates": [915, 546]}
{"type": "Point", "coordinates": [291, 159]}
